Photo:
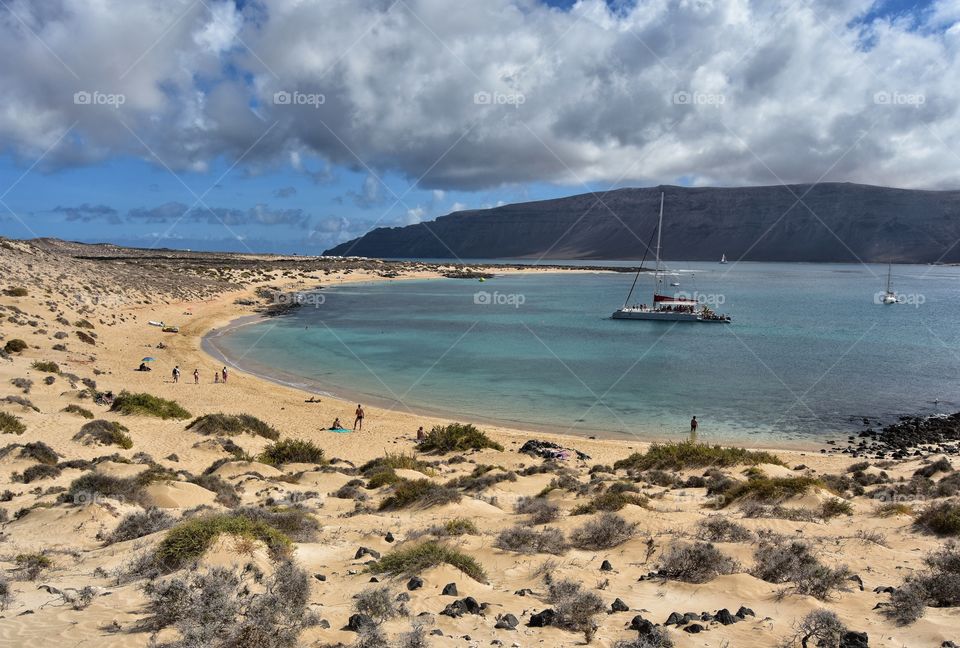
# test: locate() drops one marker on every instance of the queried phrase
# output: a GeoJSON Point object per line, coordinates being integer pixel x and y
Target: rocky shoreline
{"type": "Point", "coordinates": [910, 436]}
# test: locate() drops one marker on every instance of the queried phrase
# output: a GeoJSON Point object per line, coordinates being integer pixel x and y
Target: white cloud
{"type": "Point", "coordinates": [505, 91]}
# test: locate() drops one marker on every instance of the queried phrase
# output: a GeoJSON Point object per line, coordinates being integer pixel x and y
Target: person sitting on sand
{"type": "Point", "coordinates": [336, 424]}
{"type": "Point", "coordinates": [421, 435]}
{"type": "Point", "coordinates": [143, 367]}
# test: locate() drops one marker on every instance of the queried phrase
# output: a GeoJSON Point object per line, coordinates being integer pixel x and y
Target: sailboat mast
{"type": "Point", "coordinates": [889, 269]}
{"type": "Point", "coordinates": [656, 275]}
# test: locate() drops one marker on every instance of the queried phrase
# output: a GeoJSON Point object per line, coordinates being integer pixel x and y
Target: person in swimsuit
{"type": "Point", "coordinates": [359, 420]}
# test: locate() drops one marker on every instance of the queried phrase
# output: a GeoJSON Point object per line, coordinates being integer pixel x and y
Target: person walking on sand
{"type": "Point", "coordinates": [216, 377]}
{"type": "Point", "coordinates": [359, 420]}
{"type": "Point", "coordinates": [176, 374]}
{"type": "Point", "coordinates": [693, 428]}
{"type": "Point", "coordinates": [224, 373]}
{"type": "Point", "coordinates": [196, 376]}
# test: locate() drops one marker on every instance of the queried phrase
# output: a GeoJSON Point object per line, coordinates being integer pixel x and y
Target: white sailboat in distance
{"type": "Point", "coordinates": [723, 258]}
{"type": "Point", "coordinates": [666, 308]}
{"type": "Point", "coordinates": [889, 296]}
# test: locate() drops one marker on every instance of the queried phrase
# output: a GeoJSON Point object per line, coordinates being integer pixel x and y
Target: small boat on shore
{"type": "Point", "coordinates": [666, 308]}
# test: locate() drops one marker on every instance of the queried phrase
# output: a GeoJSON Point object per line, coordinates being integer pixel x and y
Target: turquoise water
{"type": "Point", "coordinates": [808, 355]}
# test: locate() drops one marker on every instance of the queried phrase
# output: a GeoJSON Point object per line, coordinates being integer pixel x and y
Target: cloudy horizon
{"type": "Point", "coordinates": [286, 126]}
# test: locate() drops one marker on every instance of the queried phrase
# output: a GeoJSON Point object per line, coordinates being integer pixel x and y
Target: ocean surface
{"type": "Point", "coordinates": [810, 352]}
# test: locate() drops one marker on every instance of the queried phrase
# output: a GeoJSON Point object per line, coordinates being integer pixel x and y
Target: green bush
{"type": "Point", "coordinates": [417, 558]}
{"type": "Point", "coordinates": [385, 477]}
{"type": "Point", "coordinates": [232, 425]}
{"type": "Point", "coordinates": [147, 405]}
{"type": "Point", "coordinates": [606, 531]}
{"type": "Point", "coordinates": [610, 501]}
{"type": "Point", "coordinates": [770, 489]}
{"type": "Point", "coordinates": [105, 433]}
{"type": "Point", "coordinates": [15, 345]}
{"type": "Point", "coordinates": [10, 424]}
{"type": "Point", "coordinates": [76, 409]}
{"type": "Point", "coordinates": [688, 454]}
{"type": "Point", "coordinates": [31, 565]}
{"type": "Point", "coordinates": [418, 492]}
{"type": "Point", "coordinates": [393, 461]}
{"type": "Point", "coordinates": [835, 507]}
{"type": "Point", "coordinates": [292, 451]}
{"type": "Point", "coordinates": [457, 437]}
{"type": "Point", "coordinates": [46, 367]}
{"type": "Point", "coordinates": [695, 563]}
{"type": "Point", "coordinates": [188, 541]}
{"type": "Point", "coordinates": [942, 518]}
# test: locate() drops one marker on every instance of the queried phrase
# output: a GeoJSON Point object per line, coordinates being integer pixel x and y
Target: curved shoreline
{"type": "Point", "coordinates": [312, 387]}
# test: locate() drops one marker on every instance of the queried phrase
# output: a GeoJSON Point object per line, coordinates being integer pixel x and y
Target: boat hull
{"type": "Point", "coordinates": [661, 316]}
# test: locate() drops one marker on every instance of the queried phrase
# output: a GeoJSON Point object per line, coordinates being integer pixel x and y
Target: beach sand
{"type": "Point", "coordinates": [60, 293]}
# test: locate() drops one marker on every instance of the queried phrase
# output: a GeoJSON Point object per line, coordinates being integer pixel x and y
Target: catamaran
{"type": "Point", "coordinates": [665, 308]}
{"type": "Point", "coordinates": [889, 297]}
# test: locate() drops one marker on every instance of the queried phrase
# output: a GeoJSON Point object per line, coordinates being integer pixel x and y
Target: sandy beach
{"type": "Point", "coordinates": [92, 319]}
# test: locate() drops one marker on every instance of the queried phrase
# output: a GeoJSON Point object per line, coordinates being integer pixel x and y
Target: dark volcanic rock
{"type": "Point", "coordinates": [693, 628]}
{"type": "Point", "coordinates": [506, 622]}
{"type": "Point", "coordinates": [619, 606]}
{"type": "Point", "coordinates": [415, 582]}
{"type": "Point", "coordinates": [704, 222]}
{"type": "Point", "coordinates": [450, 589]}
{"type": "Point", "coordinates": [541, 619]}
{"type": "Point", "coordinates": [359, 621]}
{"type": "Point", "coordinates": [606, 566]}
{"type": "Point", "coordinates": [723, 616]}
{"type": "Point", "coordinates": [852, 639]}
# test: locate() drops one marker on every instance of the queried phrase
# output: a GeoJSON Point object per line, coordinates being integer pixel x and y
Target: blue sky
{"type": "Point", "coordinates": [580, 97]}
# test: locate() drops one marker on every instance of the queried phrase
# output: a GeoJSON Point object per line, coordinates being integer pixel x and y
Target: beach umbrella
{"type": "Point", "coordinates": [148, 359]}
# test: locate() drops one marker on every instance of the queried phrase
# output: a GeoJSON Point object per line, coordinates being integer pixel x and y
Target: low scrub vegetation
{"type": "Point", "coordinates": [105, 433]}
{"type": "Point", "coordinates": [79, 411]}
{"type": "Point", "coordinates": [454, 527]}
{"type": "Point", "coordinates": [575, 608]}
{"type": "Point", "coordinates": [232, 425]}
{"type": "Point", "coordinates": [295, 522]}
{"type": "Point", "coordinates": [687, 454]}
{"type": "Point", "coordinates": [146, 405]}
{"type": "Point", "coordinates": [420, 493]}
{"type": "Point", "coordinates": [226, 493]}
{"type": "Point", "coordinates": [523, 539]}
{"type": "Point", "coordinates": [941, 518]}
{"type": "Point", "coordinates": [223, 608]}
{"type": "Point", "coordinates": [396, 461]}
{"type": "Point", "coordinates": [793, 561]}
{"type": "Point", "coordinates": [936, 586]}
{"type": "Point", "coordinates": [719, 528]}
{"type": "Point", "coordinates": [609, 500]}
{"type": "Point", "coordinates": [695, 563]}
{"type": "Point", "coordinates": [15, 346]}
{"type": "Point", "coordinates": [139, 524]}
{"type": "Point", "coordinates": [457, 437]}
{"type": "Point", "coordinates": [188, 541]}
{"type": "Point", "coordinates": [31, 565]}
{"type": "Point", "coordinates": [379, 603]}
{"type": "Point", "coordinates": [820, 628]}
{"type": "Point", "coordinates": [769, 489]}
{"type": "Point", "coordinates": [413, 559]}
{"type": "Point", "coordinates": [38, 472]}
{"type": "Point", "coordinates": [292, 451]}
{"type": "Point", "coordinates": [539, 509]}
{"type": "Point", "coordinates": [10, 424]}
{"type": "Point", "coordinates": [606, 531]}
{"type": "Point", "coordinates": [835, 507]}
{"type": "Point", "coordinates": [46, 367]}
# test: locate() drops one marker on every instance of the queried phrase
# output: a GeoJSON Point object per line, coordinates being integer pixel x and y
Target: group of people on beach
{"type": "Point", "coordinates": [357, 421]}
{"type": "Point", "coordinates": [218, 376]}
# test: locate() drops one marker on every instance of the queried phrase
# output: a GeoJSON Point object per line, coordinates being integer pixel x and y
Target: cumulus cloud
{"type": "Point", "coordinates": [87, 212]}
{"type": "Point", "coordinates": [503, 91]}
{"type": "Point", "coordinates": [285, 192]}
{"type": "Point", "coordinates": [175, 212]}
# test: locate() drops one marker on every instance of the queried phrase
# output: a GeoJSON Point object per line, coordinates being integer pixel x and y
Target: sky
{"type": "Point", "coordinates": [293, 125]}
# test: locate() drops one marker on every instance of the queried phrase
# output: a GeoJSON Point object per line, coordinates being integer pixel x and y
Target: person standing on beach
{"type": "Point", "coordinates": [359, 420]}
{"type": "Point", "coordinates": [196, 376]}
{"type": "Point", "coordinates": [176, 374]}
{"type": "Point", "coordinates": [224, 372]}
{"type": "Point", "coordinates": [693, 428]}
{"type": "Point", "coordinates": [216, 377]}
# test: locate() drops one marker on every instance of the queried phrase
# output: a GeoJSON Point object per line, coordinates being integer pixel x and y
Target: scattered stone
{"type": "Point", "coordinates": [506, 622]}
{"type": "Point", "coordinates": [462, 606]}
{"type": "Point", "coordinates": [723, 616]}
{"type": "Point", "coordinates": [437, 632]}
{"type": "Point", "coordinates": [619, 606]}
{"type": "Point", "coordinates": [323, 623]}
{"type": "Point", "coordinates": [541, 619]}
{"type": "Point", "coordinates": [320, 577]}
{"type": "Point", "coordinates": [374, 579]}
{"type": "Point", "coordinates": [856, 579]}
{"type": "Point", "coordinates": [358, 622]}
{"type": "Point", "coordinates": [414, 583]}
{"type": "Point", "coordinates": [450, 589]}
{"type": "Point", "coordinates": [523, 592]}
{"type": "Point", "coordinates": [851, 639]}
{"type": "Point", "coordinates": [745, 611]}
{"type": "Point", "coordinates": [673, 619]}
{"type": "Point", "coordinates": [693, 628]}
{"type": "Point", "coordinates": [363, 551]}
{"type": "Point", "coordinates": [606, 566]}
{"type": "Point", "coordinates": [389, 537]}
